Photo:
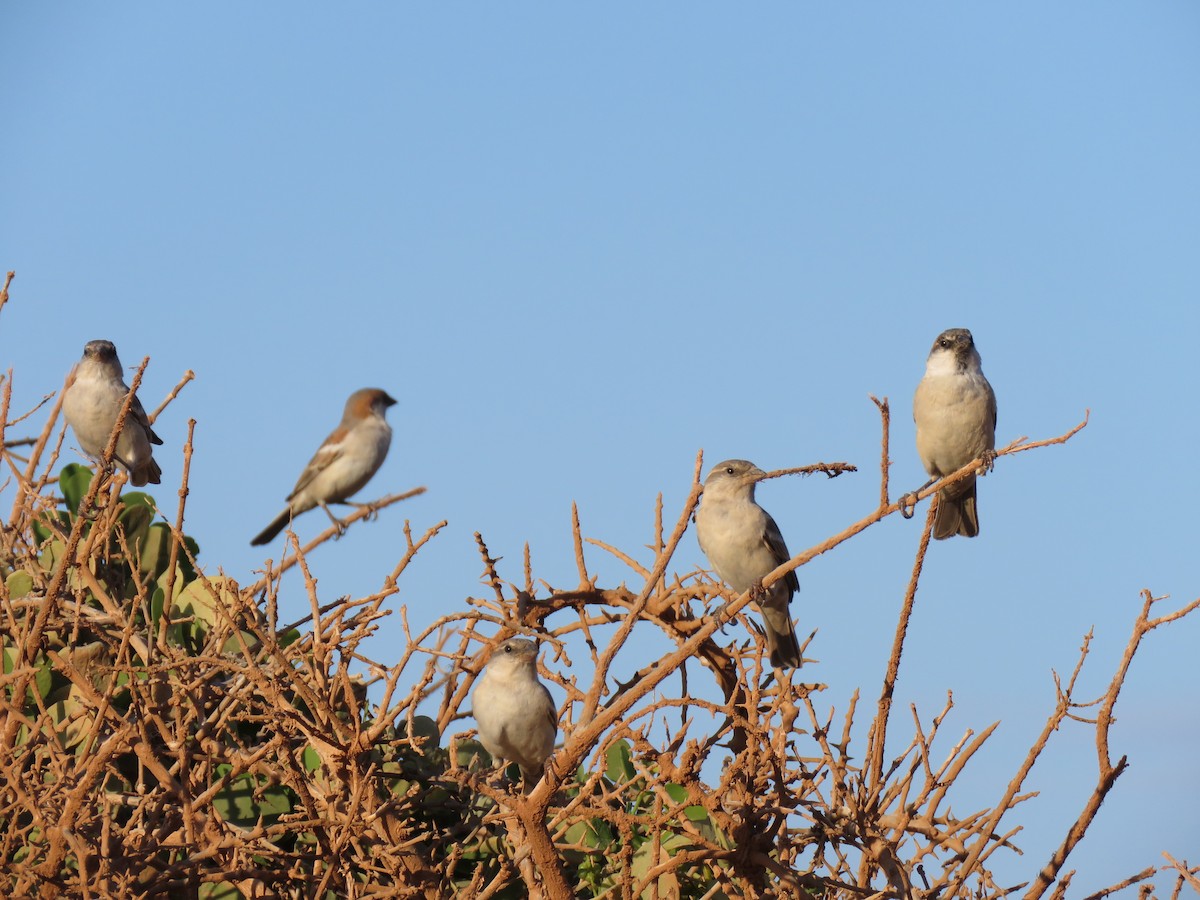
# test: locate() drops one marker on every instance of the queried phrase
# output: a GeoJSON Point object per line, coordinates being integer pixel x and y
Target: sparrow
{"type": "Point", "coordinates": [344, 463]}
{"type": "Point", "coordinates": [955, 412]}
{"type": "Point", "coordinates": [514, 711]}
{"type": "Point", "coordinates": [94, 395]}
{"type": "Point", "coordinates": [743, 544]}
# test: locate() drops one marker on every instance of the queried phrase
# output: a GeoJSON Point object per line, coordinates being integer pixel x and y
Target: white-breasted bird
{"type": "Point", "coordinates": [94, 395]}
{"type": "Point", "coordinates": [744, 545]}
{"type": "Point", "coordinates": [515, 713]}
{"type": "Point", "coordinates": [955, 412]}
{"type": "Point", "coordinates": [345, 462]}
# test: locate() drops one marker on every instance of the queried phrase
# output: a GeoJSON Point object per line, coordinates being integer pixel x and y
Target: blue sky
{"type": "Point", "coordinates": [580, 244]}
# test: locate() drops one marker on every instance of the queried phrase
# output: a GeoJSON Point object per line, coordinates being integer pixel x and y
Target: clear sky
{"type": "Point", "coordinates": [581, 243]}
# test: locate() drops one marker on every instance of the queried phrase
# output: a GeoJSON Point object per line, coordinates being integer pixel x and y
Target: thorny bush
{"type": "Point", "coordinates": [165, 734]}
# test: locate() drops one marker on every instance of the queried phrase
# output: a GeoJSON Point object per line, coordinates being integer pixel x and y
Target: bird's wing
{"type": "Point", "coordinates": [773, 538]}
{"type": "Point", "coordinates": [138, 413]}
{"type": "Point", "coordinates": [328, 452]}
{"type": "Point", "coordinates": [551, 712]}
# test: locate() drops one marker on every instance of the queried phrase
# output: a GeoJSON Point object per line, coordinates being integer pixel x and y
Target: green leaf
{"type": "Point", "coordinates": [247, 798]}
{"type": "Point", "coordinates": [620, 762]}
{"type": "Point", "coordinates": [68, 713]}
{"type": "Point", "coordinates": [200, 599]}
{"type": "Point", "coordinates": [52, 552]}
{"type": "Point", "coordinates": [669, 844]}
{"type": "Point", "coordinates": [18, 584]}
{"type": "Point", "coordinates": [73, 481]}
{"type": "Point", "coordinates": [471, 750]}
{"type": "Point", "coordinates": [425, 733]}
{"type": "Point", "coordinates": [157, 602]}
{"type": "Point", "coordinates": [43, 680]}
{"type": "Point", "coordinates": [185, 562]}
{"type": "Point", "coordinates": [154, 551]}
{"type": "Point", "coordinates": [134, 519]}
{"type": "Point", "coordinates": [42, 531]}
{"type": "Point", "coordinates": [248, 639]}
{"type": "Point", "coordinates": [311, 759]}
{"type": "Point", "coordinates": [594, 833]}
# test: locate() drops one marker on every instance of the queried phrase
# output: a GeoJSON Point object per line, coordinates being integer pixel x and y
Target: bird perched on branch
{"type": "Point", "coordinates": [514, 711]}
{"type": "Point", "coordinates": [93, 399]}
{"type": "Point", "coordinates": [347, 460]}
{"type": "Point", "coordinates": [743, 544]}
{"type": "Point", "coordinates": [955, 412]}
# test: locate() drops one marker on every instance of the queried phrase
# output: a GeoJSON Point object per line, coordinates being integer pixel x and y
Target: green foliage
{"type": "Point", "coordinates": [247, 800]}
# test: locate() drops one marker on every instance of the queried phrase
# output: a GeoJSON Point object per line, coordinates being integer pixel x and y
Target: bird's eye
{"type": "Point", "coordinates": [729, 470]}
{"type": "Point", "coordinates": [508, 648]}
{"type": "Point", "coordinates": [945, 342]}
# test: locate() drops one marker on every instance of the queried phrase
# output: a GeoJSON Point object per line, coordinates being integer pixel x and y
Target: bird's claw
{"type": "Point", "coordinates": [907, 504]}
{"type": "Point", "coordinates": [720, 615]}
{"type": "Point", "coordinates": [989, 461]}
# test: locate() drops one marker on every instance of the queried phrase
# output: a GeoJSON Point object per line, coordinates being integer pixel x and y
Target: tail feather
{"type": "Point", "coordinates": [956, 514]}
{"type": "Point", "coordinates": [277, 525]}
{"type": "Point", "coordinates": [147, 473]}
{"type": "Point", "coordinates": [782, 645]}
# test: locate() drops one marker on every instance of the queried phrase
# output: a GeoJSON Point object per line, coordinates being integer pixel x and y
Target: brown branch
{"type": "Point", "coordinates": [189, 375]}
{"type": "Point", "coordinates": [1186, 872]}
{"type": "Point", "coordinates": [1108, 773]}
{"type": "Point", "coordinates": [1121, 885]}
{"type": "Point", "coordinates": [877, 736]}
{"type": "Point", "coordinates": [885, 462]}
{"type": "Point", "coordinates": [361, 512]}
{"type": "Point", "coordinates": [4, 290]}
{"type": "Point", "coordinates": [176, 535]}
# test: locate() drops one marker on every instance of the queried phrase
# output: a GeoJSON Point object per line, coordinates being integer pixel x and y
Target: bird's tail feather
{"type": "Point", "coordinates": [147, 473]}
{"type": "Point", "coordinates": [277, 525]}
{"type": "Point", "coordinates": [782, 645]}
{"type": "Point", "coordinates": [956, 515]}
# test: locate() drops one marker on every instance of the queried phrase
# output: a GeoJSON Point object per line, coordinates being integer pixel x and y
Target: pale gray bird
{"type": "Point", "coordinates": [514, 711]}
{"type": "Point", "coordinates": [95, 393]}
{"type": "Point", "coordinates": [343, 464]}
{"type": "Point", "coordinates": [743, 543]}
{"type": "Point", "coordinates": [955, 411]}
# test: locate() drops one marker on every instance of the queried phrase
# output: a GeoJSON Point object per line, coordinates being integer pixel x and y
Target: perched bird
{"type": "Point", "coordinates": [955, 411]}
{"type": "Point", "coordinates": [93, 399]}
{"type": "Point", "coordinates": [514, 710]}
{"type": "Point", "coordinates": [344, 464]}
{"type": "Point", "coordinates": [744, 545]}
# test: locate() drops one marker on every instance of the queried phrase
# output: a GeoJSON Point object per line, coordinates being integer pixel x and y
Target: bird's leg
{"type": "Point", "coordinates": [720, 615]}
{"type": "Point", "coordinates": [337, 523]}
{"type": "Point", "coordinates": [989, 461]}
{"type": "Point", "coordinates": [908, 502]}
